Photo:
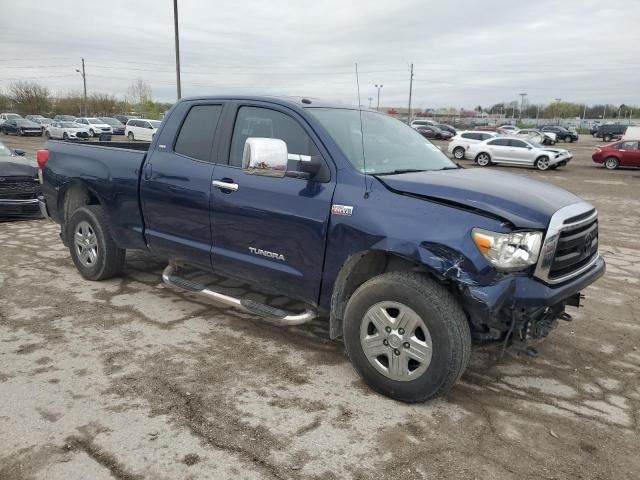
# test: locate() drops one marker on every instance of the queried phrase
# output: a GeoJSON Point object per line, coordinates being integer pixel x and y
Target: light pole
{"type": "Point", "coordinates": [558, 109]}
{"type": "Point", "coordinates": [370, 100]}
{"type": "Point", "coordinates": [379, 87]}
{"type": "Point", "coordinates": [84, 82]}
{"type": "Point", "coordinates": [522, 95]}
{"type": "Point", "coordinates": [177, 45]}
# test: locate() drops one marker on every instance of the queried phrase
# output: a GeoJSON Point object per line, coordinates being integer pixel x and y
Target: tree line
{"type": "Point", "coordinates": [563, 110]}
{"type": "Point", "coordinates": [26, 97]}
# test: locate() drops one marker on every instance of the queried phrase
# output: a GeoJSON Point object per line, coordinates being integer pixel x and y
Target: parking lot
{"type": "Point", "coordinates": [130, 379]}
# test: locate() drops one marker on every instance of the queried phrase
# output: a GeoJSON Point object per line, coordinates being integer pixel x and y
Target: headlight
{"type": "Point", "coordinates": [508, 251]}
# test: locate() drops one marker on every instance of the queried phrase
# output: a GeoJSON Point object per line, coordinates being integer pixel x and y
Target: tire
{"type": "Point", "coordinates": [483, 159]}
{"type": "Point", "coordinates": [568, 139]}
{"type": "Point", "coordinates": [458, 153]}
{"type": "Point", "coordinates": [542, 163]}
{"type": "Point", "coordinates": [47, 134]}
{"type": "Point", "coordinates": [611, 163]}
{"type": "Point", "coordinates": [426, 304]}
{"type": "Point", "coordinates": [130, 135]}
{"type": "Point", "coordinates": [20, 133]}
{"type": "Point", "coordinates": [92, 133]}
{"type": "Point", "coordinates": [606, 138]}
{"type": "Point", "coordinates": [103, 259]}
{"type": "Point", "coordinates": [65, 136]}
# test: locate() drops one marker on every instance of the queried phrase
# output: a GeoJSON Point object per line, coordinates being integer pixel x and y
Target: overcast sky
{"type": "Point", "coordinates": [465, 52]}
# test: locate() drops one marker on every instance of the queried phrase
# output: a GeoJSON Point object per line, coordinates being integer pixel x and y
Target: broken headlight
{"type": "Point", "coordinates": [508, 251]}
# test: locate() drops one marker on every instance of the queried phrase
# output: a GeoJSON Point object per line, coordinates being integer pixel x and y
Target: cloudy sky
{"type": "Point", "coordinates": [465, 53]}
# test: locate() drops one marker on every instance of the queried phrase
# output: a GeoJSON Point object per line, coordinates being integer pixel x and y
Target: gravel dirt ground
{"type": "Point", "coordinates": [127, 379]}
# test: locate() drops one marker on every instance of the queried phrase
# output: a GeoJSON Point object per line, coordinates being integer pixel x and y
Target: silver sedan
{"type": "Point", "coordinates": [517, 151]}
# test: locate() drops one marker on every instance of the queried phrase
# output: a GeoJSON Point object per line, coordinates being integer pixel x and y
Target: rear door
{"type": "Point", "coordinates": [175, 186]}
{"type": "Point", "coordinates": [520, 152]}
{"type": "Point", "coordinates": [499, 149]}
{"type": "Point", "coordinates": [629, 154]}
{"type": "Point", "coordinates": [271, 231]}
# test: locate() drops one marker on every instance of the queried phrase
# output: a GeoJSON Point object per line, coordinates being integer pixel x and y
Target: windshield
{"type": "Point", "coordinates": [27, 123]}
{"type": "Point", "coordinates": [94, 120]}
{"type": "Point", "coordinates": [154, 123]}
{"type": "Point", "coordinates": [389, 145]}
{"type": "Point", "coordinates": [13, 116]}
{"type": "Point", "coordinates": [70, 125]}
{"type": "Point", "coordinates": [4, 151]}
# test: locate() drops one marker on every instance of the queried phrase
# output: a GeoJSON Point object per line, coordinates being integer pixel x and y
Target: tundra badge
{"type": "Point", "coordinates": [265, 253]}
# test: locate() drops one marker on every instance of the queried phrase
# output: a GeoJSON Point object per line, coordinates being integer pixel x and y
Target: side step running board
{"type": "Point", "coordinates": [273, 315]}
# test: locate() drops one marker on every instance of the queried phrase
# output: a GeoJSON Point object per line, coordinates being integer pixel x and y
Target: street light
{"type": "Point", "coordinates": [558, 109]}
{"type": "Point", "coordinates": [379, 87]}
{"type": "Point", "coordinates": [522, 95]}
{"type": "Point", "coordinates": [84, 81]}
{"type": "Point", "coordinates": [370, 100]}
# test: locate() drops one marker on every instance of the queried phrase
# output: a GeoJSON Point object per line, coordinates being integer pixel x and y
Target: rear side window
{"type": "Point", "coordinates": [195, 139]}
{"type": "Point", "coordinates": [501, 142]}
{"type": "Point", "coordinates": [468, 135]}
{"type": "Point", "coordinates": [485, 136]}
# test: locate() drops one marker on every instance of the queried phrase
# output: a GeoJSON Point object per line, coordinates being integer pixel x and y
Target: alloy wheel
{"type": "Point", "coordinates": [86, 244]}
{"type": "Point", "coordinates": [396, 341]}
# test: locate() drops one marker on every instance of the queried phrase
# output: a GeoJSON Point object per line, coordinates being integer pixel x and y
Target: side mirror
{"type": "Point", "coordinates": [265, 156]}
{"type": "Point", "coordinates": [20, 153]}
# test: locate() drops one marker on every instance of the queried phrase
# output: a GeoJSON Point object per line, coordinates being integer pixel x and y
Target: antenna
{"type": "Point", "coordinates": [364, 160]}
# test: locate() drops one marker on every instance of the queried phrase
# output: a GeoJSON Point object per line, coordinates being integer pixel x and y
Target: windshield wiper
{"type": "Point", "coordinates": [402, 170]}
{"type": "Point", "coordinates": [449, 168]}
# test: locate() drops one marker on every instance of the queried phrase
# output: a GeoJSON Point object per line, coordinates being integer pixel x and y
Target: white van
{"type": "Point", "coordinates": [141, 129]}
{"type": "Point", "coordinates": [632, 133]}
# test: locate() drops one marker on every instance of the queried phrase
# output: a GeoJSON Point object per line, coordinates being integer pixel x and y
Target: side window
{"type": "Point", "coordinates": [195, 139]}
{"type": "Point", "coordinates": [470, 136]}
{"type": "Point", "coordinates": [484, 136]}
{"type": "Point", "coordinates": [499, 142]}
{"type": "Point", "coordinates": [628, 146]}
{"type": "Point", "coordinates": [263, 122]}
{"type": "Point", "coordinates": [517, 143]}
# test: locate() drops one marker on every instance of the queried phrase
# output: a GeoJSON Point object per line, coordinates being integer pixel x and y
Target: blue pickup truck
{"type": "Point", "coordinates": [349, 212]}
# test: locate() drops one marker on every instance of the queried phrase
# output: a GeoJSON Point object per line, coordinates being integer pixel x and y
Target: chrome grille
{"type": "Point", "coordinates": [571, 244]}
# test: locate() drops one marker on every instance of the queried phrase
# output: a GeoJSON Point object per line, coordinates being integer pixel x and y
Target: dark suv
{"type": "Point", "coordinates": [561, 133]}
{"type": "Point", "coordinates": [610, 131]}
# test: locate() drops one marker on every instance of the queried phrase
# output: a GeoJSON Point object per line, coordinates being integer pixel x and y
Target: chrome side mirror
{"type": "Point", "coordinates": [265, 156]}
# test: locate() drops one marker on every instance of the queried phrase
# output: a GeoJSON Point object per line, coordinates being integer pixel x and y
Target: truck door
{"type": "Point", "coordinates": [270, 231]}
{"type": "Point", "coordinates": [175, 186]}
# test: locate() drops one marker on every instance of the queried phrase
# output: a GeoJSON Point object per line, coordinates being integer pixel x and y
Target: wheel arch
{"type": "Point", "coordinates": [74, 196]}
{"type": "Point", "coordinates": [359, 268]}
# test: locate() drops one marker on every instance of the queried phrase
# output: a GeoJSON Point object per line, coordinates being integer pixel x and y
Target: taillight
{"type": "Point", "coordinates": [41, 157]}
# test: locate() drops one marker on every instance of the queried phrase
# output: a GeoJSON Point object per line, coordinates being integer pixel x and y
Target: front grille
{"type": "Point", "coordinates": [19, 190]}
{"type": "Point", "coordinates": [577, 246]}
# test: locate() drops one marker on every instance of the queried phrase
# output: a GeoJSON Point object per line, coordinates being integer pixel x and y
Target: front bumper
{"type": "Point", "coordinates": [19, 208]}
{"type": "Point", "coordinates": [493, 308]}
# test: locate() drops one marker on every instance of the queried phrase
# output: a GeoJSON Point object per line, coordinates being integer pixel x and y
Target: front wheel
{"type": "Point", "coordinates": [568, 139]}
{"type": "Point", "coordinates": [543, 163]}
{"type": "Point", "coordinates": [130, 136]}
{"type": "Point", "coordinates": [607, 138]}
{"type": "Point", "coordinates": [483, 159]}
{"type": "Point", "coordinates": [611, 163]}
{"type": "Point", "coordinates": [65, 136]}
{"type": "Point", "coordinates": [47, 134]}
{"type": "Point", "coordinates": [458, 153]}
{"type": "Point", "coordinates": [92, 133]}
{"type": "Point", "coordinates": [94, 253]}
{"type": "Point", "coordinates": [407, 336]}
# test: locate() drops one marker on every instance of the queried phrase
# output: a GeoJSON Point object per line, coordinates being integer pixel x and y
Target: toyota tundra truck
{"type": "Point", "coordinates": [349, 212]}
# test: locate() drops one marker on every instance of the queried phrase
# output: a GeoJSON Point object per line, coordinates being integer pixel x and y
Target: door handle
{"type": "Point", "coordinates": [225, 185]}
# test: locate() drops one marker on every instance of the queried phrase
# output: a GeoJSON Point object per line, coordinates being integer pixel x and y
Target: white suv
{"type": "Point", "coordinates": [94, 125]}
{"type": "Point", "coordinates": [141, 129]}
{"type": "Point", "coordinates": [459, 144]}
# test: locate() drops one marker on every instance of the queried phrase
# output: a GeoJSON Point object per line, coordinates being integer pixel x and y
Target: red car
{"type": "Point", "coordinates": [624, 154]}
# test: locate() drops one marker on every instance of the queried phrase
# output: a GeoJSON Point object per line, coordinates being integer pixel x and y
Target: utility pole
{"type": "Point", "coordinates": [558, 109]}
{"type": "Point", "coordinates": [604, 112]}
{"type": "Point", "coordinates": [522, 95]}
{"type": "Point", "coordinates": [370, 100]}
{"type": "Point", "coordinates": [84, 81]}
{"type": "Point", "coordinates": [379, 87]}
{"type": "Point", "coordinates": [177, 45]}
{"type": "Point", "coordinates": [410, 92]}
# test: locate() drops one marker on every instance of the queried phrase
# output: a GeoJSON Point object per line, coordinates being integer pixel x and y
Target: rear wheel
{"type": "Point", "coordinates": [47, 134]}
{"type": "Point", "coordinates": [94, 253]}
{"type": "Point", "coordinates": [611, 163]}
{"type": "Point", "coordinates": [606, 138]}
{"type": "Point", "coordinates": [65, 136]}
{"type": "Point", "coordinates": [483, 159]}
{"type": "Point", "coordinates": [543, 163]}
{"type": "Point", "coordinates": [458, 153]}
{"type": "Point", "coordinates": [130, 135]}
{"type": "Point", "coordinates": [407, 336]}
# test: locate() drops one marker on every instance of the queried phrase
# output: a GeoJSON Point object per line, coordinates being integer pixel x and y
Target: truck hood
{"type": "Point", "coordinates": [523, 202]}
{"type": "Point", "coordinates": [17, 167]}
